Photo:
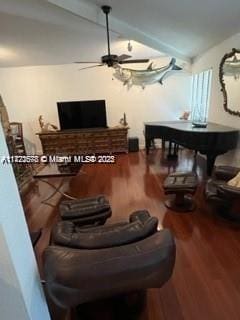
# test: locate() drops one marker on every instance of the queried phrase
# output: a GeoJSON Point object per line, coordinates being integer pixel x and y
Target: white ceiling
{"type": "Point", "coordinates": [189, 26]}
{"type": "Point", "coordinates": [36, 32]}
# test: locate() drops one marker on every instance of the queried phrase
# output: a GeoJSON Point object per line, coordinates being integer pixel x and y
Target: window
{"type": "Point", "coordinates": [201, 86]}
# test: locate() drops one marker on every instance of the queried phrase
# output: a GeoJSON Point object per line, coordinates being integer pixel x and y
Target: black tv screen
{"type": "Point", "coordinates": [82, 114]}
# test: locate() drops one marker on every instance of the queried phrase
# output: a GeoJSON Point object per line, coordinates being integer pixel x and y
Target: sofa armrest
{"type": "Point", "coordinates": [228, 192]}
{"type": "Point", "coordinates": [225, 172]}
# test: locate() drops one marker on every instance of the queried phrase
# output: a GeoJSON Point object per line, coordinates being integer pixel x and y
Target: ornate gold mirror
{"type": "Point", "coordinates": [229, 76]}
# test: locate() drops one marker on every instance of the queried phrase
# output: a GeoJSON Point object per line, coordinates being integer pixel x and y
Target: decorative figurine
{"type": "Point", "coordinates": [46, 127]}
{"type": "Point", "coordinates": [185, 115]}
{"type": "Point", "coordinates": [123, 121]}
{"type": "Point", "coordinates": [147, 76]}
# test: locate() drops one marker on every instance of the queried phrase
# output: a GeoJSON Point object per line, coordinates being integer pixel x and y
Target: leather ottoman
{"type": "Point", "coordinates": [86, 211]}
{"type": "Point", "coordinates": [181, 185]}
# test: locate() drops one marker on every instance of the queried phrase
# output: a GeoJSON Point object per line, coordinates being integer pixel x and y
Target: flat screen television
{"type": "Point", "coordinates": [82, 114]}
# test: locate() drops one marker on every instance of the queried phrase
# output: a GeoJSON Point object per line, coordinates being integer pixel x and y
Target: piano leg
{"type": "Point", "coordinates": [176, 148]}
{"type": "Point", "coordinates": [174, 154]}
{"type": "Point", "coordinates": [163, 144]}
{"type": "Point", "coordinates": [210, 163]}
{"type": "Point", "coordinates": [169, 149]}
{"type": "Point", "coordinates": [147, 144]}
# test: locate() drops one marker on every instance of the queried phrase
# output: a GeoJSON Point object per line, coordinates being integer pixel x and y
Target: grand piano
{"type": "Point", "coordinates": [212, 141]}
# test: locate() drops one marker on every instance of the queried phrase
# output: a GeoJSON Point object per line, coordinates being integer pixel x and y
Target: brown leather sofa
{"type": "Point", "coordinates": [225, 199]}
{"type": "Point", "coordinates": [95, 263]}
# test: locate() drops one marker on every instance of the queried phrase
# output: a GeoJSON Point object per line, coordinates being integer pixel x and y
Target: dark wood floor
{"type": "Point", "coordinates": [206, 280]}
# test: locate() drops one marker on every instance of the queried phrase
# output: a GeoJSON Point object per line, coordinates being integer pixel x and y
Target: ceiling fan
{"type": "Point", "coordinates": [111, 59]}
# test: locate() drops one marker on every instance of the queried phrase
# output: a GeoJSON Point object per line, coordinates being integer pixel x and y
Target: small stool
{"type": "Point", "coordinates": [86, 211]}
{"type": "Point", "coordinates": [181, 184]}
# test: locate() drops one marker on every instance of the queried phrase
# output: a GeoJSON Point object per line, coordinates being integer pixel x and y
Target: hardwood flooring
{"type": "Point", "coordinates": [206, 279]}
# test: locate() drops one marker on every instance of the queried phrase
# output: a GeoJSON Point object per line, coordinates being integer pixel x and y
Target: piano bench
{"type": "Point", "coordinates": [181, 185]}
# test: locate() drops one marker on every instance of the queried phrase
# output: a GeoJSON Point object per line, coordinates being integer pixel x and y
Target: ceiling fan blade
{"type": "Point", "coordinates": [86, 61]}
{"type": "Point", "coordinates": [123, 57]}
{"type": "Point", "coordinates": [97, 65]}
{"type": "Point", "coordinates": [134, 61]}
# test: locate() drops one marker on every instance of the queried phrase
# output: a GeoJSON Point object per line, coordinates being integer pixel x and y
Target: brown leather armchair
{"type": "Point", "coordinates": [126, 257]}
{"type": "Point", "coordinates": [225, 199]}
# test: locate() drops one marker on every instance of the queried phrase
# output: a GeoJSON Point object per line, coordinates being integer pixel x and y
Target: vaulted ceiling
{"type": "Point", "coordinates": [35, 32]}
{"type": "Point", "coordinates": [183, 28]}
{"type": "Point", "coordinates": [188, 26]}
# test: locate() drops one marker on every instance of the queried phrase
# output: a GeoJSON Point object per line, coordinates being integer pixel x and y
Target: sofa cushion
{"type": "Point", "coordinates": [66, 233]}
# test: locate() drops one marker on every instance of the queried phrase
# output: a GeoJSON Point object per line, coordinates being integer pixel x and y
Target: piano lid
{"type": "Point", "coordinates": [187, 126]}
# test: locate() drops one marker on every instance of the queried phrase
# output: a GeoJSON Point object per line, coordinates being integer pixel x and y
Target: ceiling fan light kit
{"type": "Point", "coordinates": [129, 46]}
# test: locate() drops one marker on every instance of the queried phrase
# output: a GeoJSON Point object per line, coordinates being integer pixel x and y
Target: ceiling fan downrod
{"type": "Point", "coordinates": [106, 10]}
{"type": "Point", "coordinates": [112, 59]}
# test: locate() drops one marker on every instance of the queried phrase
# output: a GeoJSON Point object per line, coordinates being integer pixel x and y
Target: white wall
{"type": "Point", "coordinates": [211, 59]}
{"type": "Point", "coordinates": [31, 91]}
{"type": "Point", "coordinates": [20, 289]}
